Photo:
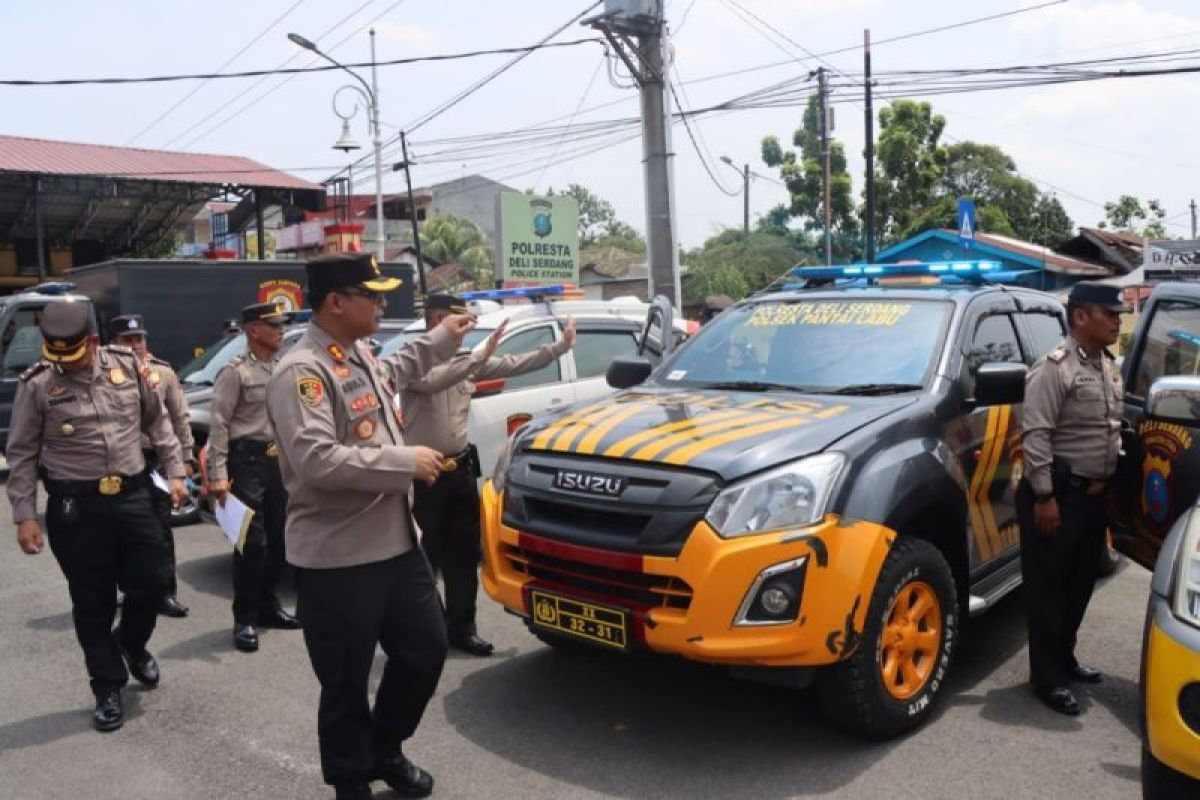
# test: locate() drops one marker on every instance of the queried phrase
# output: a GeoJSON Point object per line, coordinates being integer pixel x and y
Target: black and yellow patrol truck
{"type": "Point", "coordinates": [818, 485]}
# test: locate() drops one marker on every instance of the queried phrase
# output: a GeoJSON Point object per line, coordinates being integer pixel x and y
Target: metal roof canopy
{"type": "Point", "coordinates": [120, 199]}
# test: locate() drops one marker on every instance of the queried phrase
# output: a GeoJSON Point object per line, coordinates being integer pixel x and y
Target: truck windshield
{"type": "Point", "coordinates": [815, 345]}
{"type": "Point", "coordinates": [203, 368]}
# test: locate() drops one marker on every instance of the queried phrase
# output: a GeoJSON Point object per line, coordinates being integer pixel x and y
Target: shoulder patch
{"type": "Point", "coordinates": [40, 366]}
{"type": "Point", "coordinates": [310, 390]}
{"type": "Point", "coordinates": [1057, 354]}
{"type": "Point", "coordinates": [119, 348]}
{"type": "Point", "coordinates": [236, 360]}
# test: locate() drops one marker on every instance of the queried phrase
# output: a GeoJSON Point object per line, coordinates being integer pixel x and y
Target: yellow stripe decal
{"type": "Point", "coordinates": [547, 433]}
{"type": "Point", "coordinates": [648, 452]}
{"type": "Point", "coordinates": [629, 442]}
{"type": "Point", "coordinates": [685, 454]}
{"type": "Point", "coordinates": [571, 433]}
{"type": "Point", "coordinates": [588, 443]}
{"type": "Point", "coordinates": [979, 479]}
{"type": "Point", "coordinates": [985, 494]}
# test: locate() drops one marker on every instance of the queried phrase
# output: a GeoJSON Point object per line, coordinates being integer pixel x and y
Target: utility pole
{"type": "Point", "coordinates": [1193, 207]}
{"type": "Point", "coordinates": [406, 165]}
{"type": "Point", "coordinates": [826, 192]}
{"type": "Point", "coordinates": [645, 62]}
{"type": "Point", "coordinates": [869, 118]}
{"type": "Point", "coordinates": [745, 173]}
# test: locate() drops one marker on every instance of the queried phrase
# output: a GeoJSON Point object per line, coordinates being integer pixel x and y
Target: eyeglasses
{"type": "Point", "coordinates": [276, 326]}
{"type": "Point", "coordinates": [375, 297]}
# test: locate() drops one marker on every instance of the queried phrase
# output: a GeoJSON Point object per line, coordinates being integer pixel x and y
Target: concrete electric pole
{"type": "Point", "coordinates": [826, 189]}
{"type": "Point", "coordinates": [622, 23]}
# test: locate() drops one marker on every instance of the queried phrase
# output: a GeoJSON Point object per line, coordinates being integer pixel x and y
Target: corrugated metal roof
{"type": "Point", "coordinates": [1065, 264]}
{"type": "Point", "coordinates": [49, 157]}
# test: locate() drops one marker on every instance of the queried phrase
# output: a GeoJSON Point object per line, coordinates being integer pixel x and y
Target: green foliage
{"type": "Point", "coordinates": [910, 162]}
{"type": "Point", "coordinates": [735, 264]}
{"type": "Point", "coordinates": [458, 240]}
{"type": "Point", "coordinates": [1128, 215]}
{"type": "Point", "coordinates": [597, 217]}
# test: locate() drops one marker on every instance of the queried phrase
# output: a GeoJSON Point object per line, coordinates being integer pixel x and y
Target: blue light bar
{"type": "Point", "coordinates": [521, 291]}
{"type": "Point", "coordinates": [53, 287]}
{"type": "Point", "coordinates": [956, 268]}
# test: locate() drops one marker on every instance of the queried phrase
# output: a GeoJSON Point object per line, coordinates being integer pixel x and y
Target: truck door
{"type": "Point", "coordinates": [1159, 473]}
{"type": "Point", "coordinates": [20, 348]}
{"type": "Point", "coordinates": [989, 441]}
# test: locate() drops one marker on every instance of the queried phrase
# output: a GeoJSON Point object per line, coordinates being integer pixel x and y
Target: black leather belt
{"type": "Point", "coordinates": [108, 486]}
{"type": "Point", "coordinates": [1089, 486]}
{"type": "Point", "coordinates": [253, 447]}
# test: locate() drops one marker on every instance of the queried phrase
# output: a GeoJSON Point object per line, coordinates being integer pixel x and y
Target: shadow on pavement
{"type": "Point", "coordinates": [37, 731]}
{"type": "Point", "coordinates": [209, 646]}
{"type": "Point", "coordinates": [54, 622]}
{"type": "Point", "coordinates": [210, 574]}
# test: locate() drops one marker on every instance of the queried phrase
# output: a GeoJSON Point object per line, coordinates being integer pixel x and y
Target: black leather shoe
{"type": "Point", "coordinates": [245, 638]}
{"type": "Point", "coordinates": [278, 619]}
{"type": "Point", "coordinates": [404, 777]}
{"type": "Point", "coordinates": [471, 643]}
{"type": "Point", "coordinates": [143, 667]}
{"type": "Point", "coordinates": [172, 608]}
{"type": "Point", "coordinates": [1085, 674]}
{"type": "Point", "coordinates": [109, 715]}
{"type": "Point", "coordinates": [1060, 699]}
{"type": "Point", "coordinates": [353, 791]}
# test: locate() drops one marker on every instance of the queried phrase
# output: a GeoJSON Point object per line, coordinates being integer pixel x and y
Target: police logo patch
{"type": "Point", "coordinates": [117, 376]}
{"type": "Point", "coordinates": [310, 391]}
{"type": "Point", "coordinates": [365, 429]}
{"type": "Point", "coordinates": [337, 352]}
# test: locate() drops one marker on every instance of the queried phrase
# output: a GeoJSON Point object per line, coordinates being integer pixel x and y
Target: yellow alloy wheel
{"type": "Point", "coordinates": [910, 641]}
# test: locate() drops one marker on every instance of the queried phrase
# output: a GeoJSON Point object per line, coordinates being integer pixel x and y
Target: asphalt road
{"type": "Point", "coordinates": [533, 723]}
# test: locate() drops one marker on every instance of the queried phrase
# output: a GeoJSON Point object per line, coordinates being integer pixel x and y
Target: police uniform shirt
{"type": "Point", "coordinates": [436, 408]}
{"type": "Point", "coordinates": [335, 412]}
{"type": "Point", "coordinates": [1073, 409]}
{"type": "Point", "coordinates": [83, 426]}
{"type": "Point", "coordinates": [239, 409]}
{"type": "Point", "coordinates": [165, 382]}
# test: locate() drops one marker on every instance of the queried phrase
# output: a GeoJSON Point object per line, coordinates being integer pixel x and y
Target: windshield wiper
{"type": "Point", "coordinates": [752, 386]}
{"type": "Point", "coordinates": [875, 388]}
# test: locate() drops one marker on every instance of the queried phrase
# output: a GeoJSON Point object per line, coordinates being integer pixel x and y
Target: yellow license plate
{"type": "Point", "coordinates": [608, 627]}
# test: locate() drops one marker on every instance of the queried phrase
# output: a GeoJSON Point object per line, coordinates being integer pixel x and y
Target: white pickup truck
{"type": "Point", "coordinates": [605, 329]}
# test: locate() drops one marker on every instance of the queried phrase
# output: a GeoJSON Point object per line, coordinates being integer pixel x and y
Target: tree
{"type": "Point", "coordinates": [597, 217]}
{"type": "Point", "coordinates": [801, 172]}
{"type": "Point", "coordinates": [736, 264]}
{"type": "Point", "coordinates": [1128, 215]}
{"type": "Point", "coordinates": [910, 162]}
{"type": "Point", "coordinates": [458, 240]}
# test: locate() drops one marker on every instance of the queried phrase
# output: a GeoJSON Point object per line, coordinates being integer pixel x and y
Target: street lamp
{"type": "Point", "coordinates": [745, 173]}
{"type": "Point", "coordinates": [346, 143]}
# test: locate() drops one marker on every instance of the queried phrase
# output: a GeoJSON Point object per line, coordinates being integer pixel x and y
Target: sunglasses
{"type": "Point", "coordinates": [375, 297]}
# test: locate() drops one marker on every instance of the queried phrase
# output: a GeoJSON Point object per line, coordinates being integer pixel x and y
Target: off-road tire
{"type": "Point", "coordinates": [853, 692]}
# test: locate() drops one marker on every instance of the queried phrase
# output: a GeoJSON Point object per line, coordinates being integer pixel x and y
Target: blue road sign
{"type": "Point", "coordinates": [966, 221]}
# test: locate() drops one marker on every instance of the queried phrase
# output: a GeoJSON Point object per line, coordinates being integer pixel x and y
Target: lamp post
{"type": "Point", "coordinates": [745, 173]}
{"type": "Point", "coordinates": [370, 93]}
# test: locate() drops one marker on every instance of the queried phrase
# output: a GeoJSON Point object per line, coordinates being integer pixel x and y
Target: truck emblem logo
{"type": "Point", "coordinates": [589, 483]}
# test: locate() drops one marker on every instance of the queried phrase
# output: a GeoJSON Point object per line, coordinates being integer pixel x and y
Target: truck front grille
{"type": "Point", "coordinates": [618, 585]}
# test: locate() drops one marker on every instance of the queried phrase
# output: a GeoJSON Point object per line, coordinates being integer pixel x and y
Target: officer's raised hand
{"type": "Point", "coordinates": [569, 332]}
{"type": "Point", "coordinates": [459, 325]}
{"type": "Point", "coordinates": [29, 536]}
{"type": "Point", "coordinates": [1046, 517]}
{"type": "Point", "coordinates": [493, 341]}
{"type": "Point", "coordinates": [427, 463]}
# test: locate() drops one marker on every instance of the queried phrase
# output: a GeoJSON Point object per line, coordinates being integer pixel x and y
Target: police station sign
{"type": "Point", "coordinates": [539, 239]}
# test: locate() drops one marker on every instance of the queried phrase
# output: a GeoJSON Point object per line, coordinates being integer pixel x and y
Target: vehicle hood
{"type": "Point", "coordinates": [727, 432]}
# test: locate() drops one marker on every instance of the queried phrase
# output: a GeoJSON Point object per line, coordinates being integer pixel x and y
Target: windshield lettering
{"type": "Point", "coordinates": [873, 314]}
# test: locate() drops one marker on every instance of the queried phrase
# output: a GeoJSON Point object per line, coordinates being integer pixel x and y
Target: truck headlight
{"type": "Point", "coordinates": [1187, 575]}
{"type": "Point", "coordinates": [788, 497]}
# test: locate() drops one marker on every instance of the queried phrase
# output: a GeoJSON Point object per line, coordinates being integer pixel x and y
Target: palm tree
{"type": "Point", "coordinates": [457, 240]}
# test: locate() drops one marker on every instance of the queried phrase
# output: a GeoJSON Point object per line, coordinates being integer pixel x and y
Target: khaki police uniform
{"type": "Point", "coordinates": [1072, 421]}
{"type": "Point", "coordinates": [241, 449]}
{"type": "Point", "coordinates": [448, 511]}
{"type": "Point", "coordinates": [80, 432]}
{"type": "Point", "coordinates": [361, 580]}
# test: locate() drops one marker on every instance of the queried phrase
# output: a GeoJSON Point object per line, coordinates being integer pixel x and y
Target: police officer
{"type": "Point", "coordinates": [230, 328]}
{"type": "Point", "coordinates": [1072, 413]}
{"type": "Point", "coordinates": [130, 330]}
{"type": "Point", "coordinates": [243, 458]}
{"type": "Point", "coordinates": [361, 579]}
{"type": "Point", "coordinates": [76, 421]}
{"type": "Point", "coordinates": [448, 510]}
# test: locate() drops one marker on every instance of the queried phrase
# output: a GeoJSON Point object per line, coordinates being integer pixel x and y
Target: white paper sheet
{"type": "Point", "coordinates": [159, 482]}
{"type": "Point", "coordinates": [234, 518]}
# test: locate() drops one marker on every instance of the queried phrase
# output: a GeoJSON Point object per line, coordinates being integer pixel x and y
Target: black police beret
{"type": "Point", "coordinates": [1098, 294]}
{"type": "Point", "coordinates": [126, 324]}
{"type": "Point", "coordinates": [66, 328]}
{"type": "Point", "coordinates": [263, 312]}
{"type": "Point", "coordinates": [339, 270]}
{"type": "Point", "coordinates": [448, 302]}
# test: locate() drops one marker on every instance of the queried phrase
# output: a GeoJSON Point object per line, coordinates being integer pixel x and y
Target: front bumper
{"type": "Point", "coordinates": [691, 600]}
{"type": "Point", "coordinates": [1171, 662]}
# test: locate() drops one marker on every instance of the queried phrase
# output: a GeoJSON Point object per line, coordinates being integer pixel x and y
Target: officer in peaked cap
{"type": "Point", "coordinates": [130, 330]}
{"type": "Point", "coordinates": [243, 459]}
{"type": "Point", "coordinates": [230, 328]}
{"type": "Point", "coordinates": [1072, 421]}
{"type": "Point", "coordinates": [77, 421]}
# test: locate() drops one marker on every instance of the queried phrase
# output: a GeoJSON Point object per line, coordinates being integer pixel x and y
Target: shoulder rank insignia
{"type": "Point", "coordinates": [40, 366]}
{"type": "Point", "coordinates": [1057, 354]}
{"type": "Point", "coordinates": [336, 352]}
{"type": "Point", "coordinates": [310, 390]}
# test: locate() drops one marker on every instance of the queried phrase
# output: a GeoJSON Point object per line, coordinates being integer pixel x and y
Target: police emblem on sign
{"type": "Point", "coordinates": [542, 227]}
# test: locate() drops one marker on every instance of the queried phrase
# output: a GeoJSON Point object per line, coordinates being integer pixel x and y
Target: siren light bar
{"type": "Point", "coordinates": [520, 291]}
{"type": "Point", "coordinates": [855, 271]}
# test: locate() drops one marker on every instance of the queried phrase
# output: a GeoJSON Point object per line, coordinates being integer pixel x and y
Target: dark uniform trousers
{"type": "Point", "coordinates": [162, 510]}
{"type": "Point", "coordinates": [347, 611]}
{"type": "Point", "coordinates": [1059, 574]}
{"type": "Point", "coordinates": [103, 543]}
{"type": "Point", "coordinates": [448, 513]}
{"type": "Point", "coordinates": [257, 483]}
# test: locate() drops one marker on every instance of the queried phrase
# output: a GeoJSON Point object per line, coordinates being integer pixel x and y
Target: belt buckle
{"type": "Point", "coordinates": [110, 485]}
{"type": "Point", "coordinates": [450, 464]}
{"type": "Point", "coordinates": [272, 450]}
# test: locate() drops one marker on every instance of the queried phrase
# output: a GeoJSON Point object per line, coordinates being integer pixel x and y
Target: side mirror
{"type": "Point", "coordinates": [489, 387]}
{"type": "Point", "coordinates": [999, 384]}
{"type": "Point", "coordinates": [1175, 399]}
{"type": "Point", "coordinates": [626, 371]}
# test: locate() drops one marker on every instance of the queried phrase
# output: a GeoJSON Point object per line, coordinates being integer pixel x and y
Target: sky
{"type": "Point", "coordinates": [1086, 142]}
